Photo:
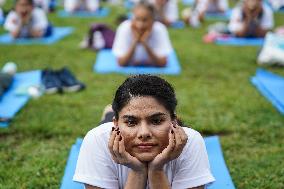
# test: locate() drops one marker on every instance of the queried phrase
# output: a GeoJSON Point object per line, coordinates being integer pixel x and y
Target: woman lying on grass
{"type": "Point", "coordinates": [27, 21]}
{"type": "Point", "coordinates": [143, 146]}
{"type": "Point", "coordinates": [141, 40]}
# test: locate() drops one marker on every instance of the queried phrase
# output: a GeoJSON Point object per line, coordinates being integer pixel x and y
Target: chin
{"type": "Point", "coordinates": [145, 158]}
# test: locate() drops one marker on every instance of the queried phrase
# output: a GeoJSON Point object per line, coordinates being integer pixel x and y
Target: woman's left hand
{"type": "Point", "coordinates": [177, 141]}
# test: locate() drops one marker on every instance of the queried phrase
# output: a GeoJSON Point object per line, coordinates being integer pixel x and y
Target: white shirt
{"type": "Point", "coordinates": [96, 167]}
{"type": "Point", "coordinates": [236, 23]}
{"type": "Point", "coordinates": [209, 6]}
{"type": "Point", "coordinates": [38, 20]}
{"type": "Point", "coordinates": [158, 41]}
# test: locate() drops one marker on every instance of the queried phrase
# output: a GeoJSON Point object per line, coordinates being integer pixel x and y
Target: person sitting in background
{"type": "Point", "coordinates": [251, 19]}
{"type": "Point", "coordinates": [201, 7]}
{"type": "Point", "coordinates": [140, 143]}
{"type": "Point", "coordinates": [79, 5]}
{"type": "Point", "coordinates": [166, 11]}
{"type": "Point", "coordinates": [142, 41]}
{"type": "Point", "coordinates": [26, 21]}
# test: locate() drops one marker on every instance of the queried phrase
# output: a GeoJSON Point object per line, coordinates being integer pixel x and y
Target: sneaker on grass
{"type": "Point", "coordinates": [69, 83]}
{"type": "Point", "coordinates": [51, 82]}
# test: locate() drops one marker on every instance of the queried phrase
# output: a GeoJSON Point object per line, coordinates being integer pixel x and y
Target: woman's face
{"type": "Point", "coordinates": [142, 19]}
{"type": "Point", "coordinates": [23, 7]}
{"type": "Point", "coordinates": [145, 124]}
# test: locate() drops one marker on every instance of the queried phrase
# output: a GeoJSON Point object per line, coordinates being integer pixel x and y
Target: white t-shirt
{"type": "Point", "coordinates": [158, 41]}
{"type": "Point", "coordinates": [96, 167]}
{"type": "Point", "coordinates": [236, 23]}
{"type": "Point", "coordinates": [209, 6]}
{"type": "Point", "coordinates": [71, 5]}
{"type": "Point", "coordinates": [38, 20]}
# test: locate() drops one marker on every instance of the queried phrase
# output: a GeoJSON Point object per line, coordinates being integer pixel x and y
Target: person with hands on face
{"type": "Point", "coordinates": [251, 19]}
{"type": "Point", "coordinates": [142, 41]}
{"type": "Point", "coordinates": [140, 145]}
{"type": "Point", "coordinates": [26, 21]}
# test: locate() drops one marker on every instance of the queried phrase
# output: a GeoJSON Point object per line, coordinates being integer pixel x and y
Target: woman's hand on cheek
{"type": "Point", "coordinates": [177, 141]}
{"type": "Point", "coordinates": [120, 155]}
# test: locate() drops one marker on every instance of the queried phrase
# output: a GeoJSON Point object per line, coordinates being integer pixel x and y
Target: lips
{"type": "Point", "coordinates": [145, 146]}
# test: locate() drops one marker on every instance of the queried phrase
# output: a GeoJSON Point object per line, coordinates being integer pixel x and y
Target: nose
{"type": "Point", "coordinates": [140, 25]}
{"type": "Point", "coordinates": [144, 132]}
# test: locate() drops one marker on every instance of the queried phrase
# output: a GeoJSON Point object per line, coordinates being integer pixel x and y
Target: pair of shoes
{"type": "Point", "coordinates": [60, 81]}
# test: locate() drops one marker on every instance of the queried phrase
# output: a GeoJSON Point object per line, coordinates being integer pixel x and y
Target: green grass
{"type": "Point", "coordinates": [214, 92]}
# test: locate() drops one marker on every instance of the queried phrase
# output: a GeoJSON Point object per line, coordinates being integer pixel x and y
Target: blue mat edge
{"type": "Point", "coordinates": [38, 41]}
{"type": "Point", "coordinates": [264, 92]}
{"type": "Point", "coordinates": [241, 42]}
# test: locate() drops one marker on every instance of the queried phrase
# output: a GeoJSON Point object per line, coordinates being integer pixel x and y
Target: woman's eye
{"type": "Point", "coordinates": [157, 121]}
{"type": "Point", "coordinates": [131, 123]}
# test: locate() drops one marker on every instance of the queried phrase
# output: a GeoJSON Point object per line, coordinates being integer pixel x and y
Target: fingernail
{"type": "Point", "coordinates": [174, 126]}
{"type": "Point", "coordinates": [112, 129]}
{"type": "Point", "coordinates": [172, 131]}
{"type": "Point", "coordinates": [117, 132]}
{"type": "Point", "coordinates": [117, 129]}
{"type": "Point", "coordinates": [120, 138]}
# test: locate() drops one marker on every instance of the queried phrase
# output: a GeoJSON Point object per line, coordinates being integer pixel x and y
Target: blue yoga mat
{"type": "Point", "coordinates": [271, 86]}
{"type": "Point", "coordinates": [128, 4]}
{"type": "Point", "coordinates": [67, 180]}
{"type": "Point", "coordinates": [188, 2]}
{"type": "Point", "coordinates": [219, 16]}
{"type": "Point", "coordinates": [237, 41]}
{"type": "Point", "coordinates": [58, 33]}
{"type": "Point", "coordinates": [10, 102]}
{"type": "Point", "coordinates": [106, 63]}
{"type": "Point", "coordinates": [101, 12]}
{"type": "Point", "coordinates": [217, 163]}
{"type": "Point", "coordinates": [178, 24]}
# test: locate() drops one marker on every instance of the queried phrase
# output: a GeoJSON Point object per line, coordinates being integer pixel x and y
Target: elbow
{"type": "Point", "coordinates": [162, 62]}
{"type": "Point", "coordinates": [121, 62]}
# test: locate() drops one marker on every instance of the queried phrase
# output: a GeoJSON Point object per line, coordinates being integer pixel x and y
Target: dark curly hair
{"type": "Point", "coordinates": [31, 2]}
{"type": "Point", "coordinates": [145, 85]}
{"type": "Point", "coordinates": [146, 5]}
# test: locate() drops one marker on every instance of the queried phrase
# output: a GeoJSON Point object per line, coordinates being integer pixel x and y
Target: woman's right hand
{"type": "Point", "coordinates": [121, 156]}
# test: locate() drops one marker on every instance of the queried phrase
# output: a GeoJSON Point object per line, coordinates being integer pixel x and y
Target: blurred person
{"type": "Point", "coordinates": [141, 40]}
{"type": "Point", "coordinates": [26, 21]}
{"type": "Point", "coordinates": [166, 11]}
{"type": "Point", "coordinates": [201, 7]}
{"type": "Point", "coordinates": [251, 19]}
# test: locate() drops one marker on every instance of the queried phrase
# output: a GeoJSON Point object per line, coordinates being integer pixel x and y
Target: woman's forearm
{"type": "Point", "coordinates": [136, 180]}
{"type": "Point", "coordinates": [158, 179]}
{"type": "Point", "coordinates": [124, 60]}
{"type": "Point", "coordinates": [159, 61]}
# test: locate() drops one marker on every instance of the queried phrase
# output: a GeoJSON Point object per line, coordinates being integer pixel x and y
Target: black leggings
{"type": "Point", "coordinates": [108, 118]}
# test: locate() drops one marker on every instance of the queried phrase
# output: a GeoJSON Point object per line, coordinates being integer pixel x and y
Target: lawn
{"type": "Point", "coordinates": [214, 93]}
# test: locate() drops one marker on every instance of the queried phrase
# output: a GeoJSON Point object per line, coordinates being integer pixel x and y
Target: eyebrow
{"type": "Point", "coordinates": [151, 116]}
